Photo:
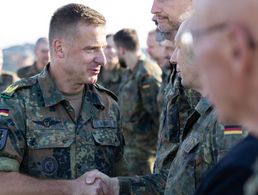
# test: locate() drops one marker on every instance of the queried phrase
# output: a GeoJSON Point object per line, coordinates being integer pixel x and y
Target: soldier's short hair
{"type": "Point", "coordinates": [128, 39]}
{"type": "Point", "coordinates": [65, 19]}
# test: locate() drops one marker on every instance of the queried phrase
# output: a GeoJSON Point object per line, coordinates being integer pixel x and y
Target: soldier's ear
{"type": "Point", "coordinates": [58, 48]}
{"type": "Point", "coordinates": [242, 54]}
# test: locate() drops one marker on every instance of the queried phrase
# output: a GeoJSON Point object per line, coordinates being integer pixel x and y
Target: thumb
{"type": "Point", "coordinates": [90, 178]}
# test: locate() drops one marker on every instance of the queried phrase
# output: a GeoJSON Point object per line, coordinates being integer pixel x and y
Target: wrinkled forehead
{"type": "Point", "coordinates": [211, 12]}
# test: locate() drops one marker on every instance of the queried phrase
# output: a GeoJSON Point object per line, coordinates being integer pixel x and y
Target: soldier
{"type": "Point", "coordinates": [176, 102]}
{"type": "Point", "coordinates": [204, 140]}
{"type": "Point", "coordinates": [155, 49]}
{"type": "Point", "coordinates": [6, 77]}
{"type": "Point", "coordinates": [59, 124]}
{"type": "Point", "coordinates": [167, 49]}
{"type": "Point", "coordinates": [223, 42]}
{"type": "Point", "coordinates": [41, 52]}
{"type": "Point", "coordinates": [137, 101]}
{"type": "Point", "coordinates": [111, 74]}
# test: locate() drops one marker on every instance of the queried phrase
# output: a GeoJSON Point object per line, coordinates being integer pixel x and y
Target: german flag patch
{"type": "Point", "coordinates": [233, 130]}
{"type": "Point", "coordinates": [4, 112]}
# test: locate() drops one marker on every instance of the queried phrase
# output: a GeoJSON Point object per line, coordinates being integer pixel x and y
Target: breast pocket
{"type": "Point", "coordinates": [48, 153]}
{"type": "Point", "coordinates": [107, 149]}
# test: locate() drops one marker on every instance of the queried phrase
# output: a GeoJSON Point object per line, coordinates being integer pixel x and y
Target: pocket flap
{"type": "Point", "coordinates": [40, 139]}
{"type": "Point", "coordinates": [189, 144]}
{"type": "Point", "coordinates": [106, 137]}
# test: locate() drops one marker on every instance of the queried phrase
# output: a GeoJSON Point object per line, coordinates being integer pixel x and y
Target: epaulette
{"type": "Point", "coordinates": [101, 88]}
{"type": "Point", "coordinates": [11, 89]}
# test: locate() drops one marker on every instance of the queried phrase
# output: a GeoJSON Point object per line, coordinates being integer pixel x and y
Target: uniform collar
{"type": "Point", "coordinates": [50, 92]}
{"type": "Point", "coordinates": [203, 105]}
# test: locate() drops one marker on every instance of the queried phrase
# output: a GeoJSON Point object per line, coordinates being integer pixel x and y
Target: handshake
{"type": "Point", "coordinates": [95, 183]}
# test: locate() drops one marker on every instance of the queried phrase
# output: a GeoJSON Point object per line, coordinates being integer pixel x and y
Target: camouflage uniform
{"type": "Point", "coordinates": [204, 143]}
{"type": "Point", "coordinates": [175, 111]}
{"type": "Point", "coordinates": [28, 71]}
{"type": "Point", "coordinates": [111, 79]}
{"type": "Point", "coordinates": [7, 78]}
{"type": "Point", "coordinates": [138, 104]}
{"type": "Point", "coordinates": [41, 137]}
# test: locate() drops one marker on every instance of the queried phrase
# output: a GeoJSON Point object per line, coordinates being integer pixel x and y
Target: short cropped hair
{"type": "Point", "coordinates": [128, 39]}
{"type": "Point", "coordinates": [66, 18]}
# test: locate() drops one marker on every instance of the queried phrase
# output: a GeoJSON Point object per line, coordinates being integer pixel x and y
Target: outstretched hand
{"type": "Point", "coordinates": [110, 186]}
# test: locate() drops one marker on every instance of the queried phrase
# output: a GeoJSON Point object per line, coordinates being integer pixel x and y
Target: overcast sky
{"type": "Point", "coordinates": [24, 21]}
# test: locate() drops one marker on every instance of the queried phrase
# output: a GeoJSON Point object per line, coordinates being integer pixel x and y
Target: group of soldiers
{"type": "Point", "coordinates": [62, 132]}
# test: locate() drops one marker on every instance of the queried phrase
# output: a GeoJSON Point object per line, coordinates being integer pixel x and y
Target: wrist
{"type": "Point", "coordinates": [124, 185]}
{"type": "Point", "coordinates": [115, 185]}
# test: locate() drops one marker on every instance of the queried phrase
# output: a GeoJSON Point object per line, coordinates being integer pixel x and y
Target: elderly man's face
{"type": "Point", "coordinates": [217, 58]}
{"type": "Point", "coordinates": [169, 13]}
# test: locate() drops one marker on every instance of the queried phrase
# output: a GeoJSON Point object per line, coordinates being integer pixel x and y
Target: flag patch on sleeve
{"type": "Point", "coordinates": [4, 112]}
{"type": "Point", "coordinates": [232, 130]}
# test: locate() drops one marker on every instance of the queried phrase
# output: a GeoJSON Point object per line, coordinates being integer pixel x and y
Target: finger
{"type": "Point", "coordinates": [91, 176]}
{"type": "Point", "coordinates": [99, 187]}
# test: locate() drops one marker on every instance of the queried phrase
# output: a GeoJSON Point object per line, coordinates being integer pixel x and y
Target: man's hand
{"type": "Point", "coordinates": [110, 186]}
{"type": "Point", "coordinates": [80, 187]}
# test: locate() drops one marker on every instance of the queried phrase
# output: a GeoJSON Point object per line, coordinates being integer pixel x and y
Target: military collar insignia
{"type": "Point", "coordinates": [95, 100]}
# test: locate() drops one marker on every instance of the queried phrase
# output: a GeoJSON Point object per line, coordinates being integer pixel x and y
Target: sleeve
{"type": "Point", "coordinates": [143, 185]}
{"type": "Point", "coordinates": [12, 141]}
{"type": "Point", "coordinates": [224, 138]}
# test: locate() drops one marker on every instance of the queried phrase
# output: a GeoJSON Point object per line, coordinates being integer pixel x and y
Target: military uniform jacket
{"type": "Point", "coordinates": [138, 104]}
{"type": "Point", "coordinates": [205, 141]}
{"type": "Point", "coordinates": [175, 111]}
{"type": "Point", "coordinates": [28, 71]}
{"type": "Point", "coordinates": [40, 136]}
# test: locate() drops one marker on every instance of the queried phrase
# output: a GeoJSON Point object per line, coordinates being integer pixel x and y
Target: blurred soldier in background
{"type": "Point", "coordinates": [167, 50]}
{"type": "Point", "coordinates": [112, 73]}
{"type": "Point", "coordinates": [41, 51]}
{"type": "Point", "coordinates": [6, 77]}
{"type": "Point", "coordinates": [155, 49]}
{"type": "Point", "coordinates": [138, 102]}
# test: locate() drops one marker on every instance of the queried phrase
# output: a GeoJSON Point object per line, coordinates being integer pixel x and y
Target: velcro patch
{"type": "Point", "coordinates": [189, 144]}
{"type": "Point", "coordinates": [104, 124]}
{"type": "Point", "coordinates": [4, 112]}
{"type": "Point", "coordinates": [233, 130]}
{"type": "Point", "coordinates": [3, 138]}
